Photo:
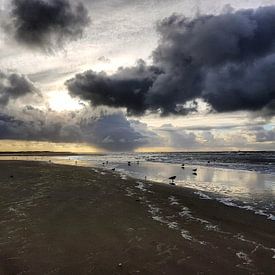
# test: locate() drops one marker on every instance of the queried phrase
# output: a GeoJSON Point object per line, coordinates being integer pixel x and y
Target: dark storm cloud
{"type": "Point", "coordinates": [47, 24]}
{"type": "Point", "coordinates": [128, 87]}
{"type": "Point", "coordinates": [107, 131]}
{"type": "Point", "coordinates": [36, 125]}
{"type": "Point", "coordinates": [13, 86]}
{"type": "Point", "coordinates": [242, 87]}
{"type": "Point", "coordinates": [114, 133]}
{"type": "Point", "coordinates": [227, 60]}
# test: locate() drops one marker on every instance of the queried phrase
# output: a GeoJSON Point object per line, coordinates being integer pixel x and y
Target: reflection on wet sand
{"type": "Point", "coordinates": [246, 188]}
{"type": "Point", "coordinates": [251, 189]}
{"type": "Point", "coordinates": [221, 181]}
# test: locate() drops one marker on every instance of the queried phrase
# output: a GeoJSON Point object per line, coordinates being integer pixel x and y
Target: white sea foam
{"type": "Point", "coordinates": [173, 225]}
{"type": "Point", "coordinates": [141, 186]}
{"type": "Point", "coordinates": [156, 215]}
{"type": "Point", "coordinates": [129, 192]}
{"type": "Point", "coordinates": [202, 195]}
{"type": "Point", "coordinates": [257, 245]}
{"type": "Point", "coordinates": [229, 202]}
{"type": "Point", "coordinates": [173, 200]}
{"type": "Point", "coordinates": [123, 177]}
{"type": "Point", "coordinates": [244, 257]}
{"type": "Point", "coordinates": [154, 211]}
{"type": "Point", "coordinates": [268, 215]}
{"type": "Point", "coordinates": [186, 235]}
{"type": "Point", "coordinates": [186, 213]}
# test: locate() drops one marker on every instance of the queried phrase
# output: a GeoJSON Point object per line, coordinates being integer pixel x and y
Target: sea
{"type": "Point", "coordinates": [237, 179]}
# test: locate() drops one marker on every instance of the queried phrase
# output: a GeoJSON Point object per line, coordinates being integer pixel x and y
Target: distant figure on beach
{"type": "Point", "coordinates": [50, 161]}
{"type": "Point", "coordinates": [172, 180]}
{"type": "Point", "coordinates": [114, 169]}
{"type": "Point", "coordinates": [107, 162]}
{"type": "Point", "coordinates": [195, 174]}
{"type": "Point", "coordinates": [129, 163]}
{"type": "Point", "coordinates": [75, 162]}
{"type": "Point", "coordinates": [145, 178]}
{"type": "Point", "coordinates": [195, 170]}
{"type": "Point", "coordinates": [103, 163]}
{"type": "Point", "coordinates": [137, 162]}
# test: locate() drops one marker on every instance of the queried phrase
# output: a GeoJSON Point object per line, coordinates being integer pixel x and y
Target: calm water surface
{"type": "Point", "coordinates": [249, 185]}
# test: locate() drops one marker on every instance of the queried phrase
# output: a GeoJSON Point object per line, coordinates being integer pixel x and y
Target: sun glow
{"type": "Point", "coordinates": [62, 101]}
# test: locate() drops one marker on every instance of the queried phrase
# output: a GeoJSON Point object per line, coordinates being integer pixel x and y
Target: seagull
{"type": "Point", "coordinates": [195, 174]}
{"type": "Point", "coordinates": [195, 170]}
{"type": "Point", "coordinates": [114, 169]}
{"type": "Point", "coordinates": [172, 180]}
{"type": "Point", "coordinates": [182, 164]}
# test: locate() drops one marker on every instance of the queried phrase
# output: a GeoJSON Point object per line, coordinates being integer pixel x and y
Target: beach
{"type": "Point", "coordinates": [61, 219]}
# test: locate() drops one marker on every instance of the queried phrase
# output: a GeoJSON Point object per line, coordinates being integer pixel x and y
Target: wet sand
{"type": "Point", "coordinates": [57, 219]}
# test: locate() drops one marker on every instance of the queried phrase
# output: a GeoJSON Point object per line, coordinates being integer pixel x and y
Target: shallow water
{"type": "Point", "coordinates": [249, 161]}
{"type": "Point", "coordinates": [250, 190]}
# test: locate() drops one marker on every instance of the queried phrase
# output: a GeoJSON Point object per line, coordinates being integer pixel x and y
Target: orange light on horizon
{"type": "Point", "coordinates": [18, 145]}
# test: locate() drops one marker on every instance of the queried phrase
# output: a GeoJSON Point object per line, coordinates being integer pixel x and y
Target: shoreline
{"type": "Point", "coordinates": [235, 166]}
{"type": "Point", "coordinates": [198, 192]}
{"type": "Point", "coordinates": [159, 228]}
{"type": "Point", "coordinates": [226, 199]}
{"type": "Point", "coordinates": [203, 194]}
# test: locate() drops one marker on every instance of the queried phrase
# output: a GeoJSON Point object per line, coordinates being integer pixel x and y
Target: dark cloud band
{"type": "Point", "coordinates": [107, 131]}
{"type": "Point", "coordinates": [226, 60]}
{"type": "Point", "coordinates": [128, 87]}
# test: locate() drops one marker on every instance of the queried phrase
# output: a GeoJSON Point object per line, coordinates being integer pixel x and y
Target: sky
{"type": "Point", "coordinates": [125, 75]}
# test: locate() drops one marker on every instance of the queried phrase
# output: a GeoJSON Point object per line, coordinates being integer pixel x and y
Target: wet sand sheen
{"type": "Point", "coordinates": [250, 190]}
{"type": "Point", "coordinates": [73, 220]}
